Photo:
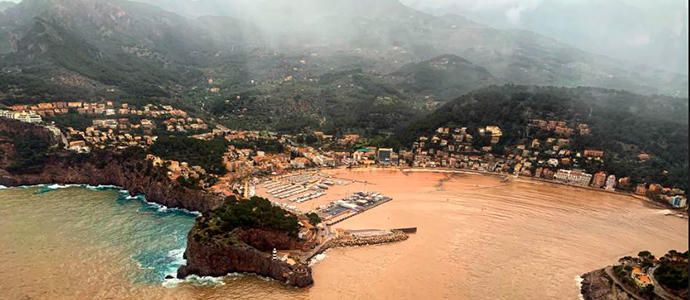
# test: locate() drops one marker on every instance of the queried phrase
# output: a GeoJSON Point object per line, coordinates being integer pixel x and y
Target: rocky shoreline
{"type": "Point", "coordinates": [597, 285]}
{"type": "Point", "coordinates": [140, 177]}
{"type": "Point", "coordinates": [245, 250]}
{"type": "Point", "coordinates": [234, 253]}
{"type": "Point", "coordinates": [126, 169]}
{"type": "Point", "coordinates": [134, 175]}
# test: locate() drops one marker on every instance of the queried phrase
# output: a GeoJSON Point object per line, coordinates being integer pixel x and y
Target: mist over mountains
{"type": "Point", "coordinates": [162, 47]}
{"type": "Point", "coordinates": [376, 68]}
{"type": "Point", "coordinates": [653, 33]}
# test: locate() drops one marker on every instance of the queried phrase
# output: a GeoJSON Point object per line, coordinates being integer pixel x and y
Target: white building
{"type": "Point", "coordinates": [573, 177]}
{"type": "Point", "coordinates": [611, 183]}
{"type": "Point", "coordinates": [678, 201]}
{"type": "Point", "coordinates": [24, 116]}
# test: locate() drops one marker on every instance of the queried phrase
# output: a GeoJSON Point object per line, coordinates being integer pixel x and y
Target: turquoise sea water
{"type": "Point", "coordinates": [86, 242]}
{"type": "Point", "coordinates": [154, 237]}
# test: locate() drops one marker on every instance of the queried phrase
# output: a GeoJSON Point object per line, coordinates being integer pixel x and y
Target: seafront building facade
{"type": "Point", "coordinates": [23, 116]}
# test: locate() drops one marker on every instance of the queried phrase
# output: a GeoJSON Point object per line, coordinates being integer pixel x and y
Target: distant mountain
{"type": "Point", "coordinates": [342, 102]}
{"type": "Point", "coordinates": [396, 34]}
{"type": "Point", "coordinates": [86, 47]}
{"type": "Point", "coordinates": [654, 33]}
{"type": "Point", "coordinates": [444, 77]}
{"type": "Point", "coordinates": [68, 48]}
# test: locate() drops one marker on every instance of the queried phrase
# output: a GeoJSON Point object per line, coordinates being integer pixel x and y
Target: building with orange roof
{"type": "Point", "coordinates": [641, 278]}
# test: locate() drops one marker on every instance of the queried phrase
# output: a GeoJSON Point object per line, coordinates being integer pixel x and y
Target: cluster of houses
{"type": "Point", "coordinates": [673, 196]}
{"type": "Point", "coordinates": [107, 108]}
{"type": "Point", "coordinates": [176, 169]}
{"type": "Point", "coordinates": [105, 136]}
{"type": "Point", "coordinates": [551, 158]}
{"type": "Point", "coordinates": [456, 148]}
{"type": "Point", "coordinates": [185, 124]}
{"type": "Point", "coordinates": [560, 127]}
{"type": "Point", "coordinates": [23, 116]}
{"type": "Point", "coordinates": [638, 269]}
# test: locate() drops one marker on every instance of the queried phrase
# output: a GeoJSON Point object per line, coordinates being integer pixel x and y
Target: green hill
{"type": "Point", "coordinates": [445, 77]}
{"type": "Point", "coordinates": [623, 124]}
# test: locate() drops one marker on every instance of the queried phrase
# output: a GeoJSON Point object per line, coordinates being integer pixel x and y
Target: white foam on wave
{"type": "Point", "coordinates": [60, 186]}
{"type": "Point", "coordinates": [31, 186]}
{"type": "Point", "coordinates": [159, 207]}
{"type": "Point", "coordinates": [177, 260]}
{"type": "Point", "coordinates": [317, 258]}
{"type": "Point", "coordinates": [578, 281]}
{"type": "Point", "coordinates": [100, 187]}
{"type": "Point", "coordinates": [141, 267]}
{"type": "Point", "coordinates": [198, 280]}
{"type": "Point", "coordinates": [163, 208]}
{"type": "Point", "coordinates": [2, 187]}
{"type": "Point", "coordinates": [178, 257]}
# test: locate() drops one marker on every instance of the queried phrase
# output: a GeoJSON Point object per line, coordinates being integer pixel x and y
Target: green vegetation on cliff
{"type": "Point", "coordinates": [207, 154]}
{"type": "Point", "coordinates": [30, 151]}
{"type": "Point", "coordinates": [672, 271]}
{"type": "Point", "coordinates": [251, 213]}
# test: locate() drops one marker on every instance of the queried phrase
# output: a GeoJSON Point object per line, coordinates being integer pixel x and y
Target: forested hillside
{"type": "Point", "coordinates": [623, 124]}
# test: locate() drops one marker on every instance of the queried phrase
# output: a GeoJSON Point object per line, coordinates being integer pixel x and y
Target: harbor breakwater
{"type": "Point", "coordinates": [349, 239]}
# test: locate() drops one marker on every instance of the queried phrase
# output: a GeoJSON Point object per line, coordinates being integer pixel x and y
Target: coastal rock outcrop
{"type": "Point", "coordinates": [218, 256]}
{"type": "Point", "coordinates": [240, 250]}
{"type": "Point", "coordinates": [597, 285]}
{"type": "Point", "coordinates": [127, 169]}
{"type": "Point", "coordinates": [136, 175]}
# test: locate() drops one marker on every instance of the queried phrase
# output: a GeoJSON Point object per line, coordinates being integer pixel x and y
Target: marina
{"type": "Point", "coordinates": [345, 208]}
{"type": "Point", "coordinates": [299, 187]}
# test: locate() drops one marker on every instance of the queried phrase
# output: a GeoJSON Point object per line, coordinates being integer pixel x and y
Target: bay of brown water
{"type": "Point", "coordinates": [478, 238]}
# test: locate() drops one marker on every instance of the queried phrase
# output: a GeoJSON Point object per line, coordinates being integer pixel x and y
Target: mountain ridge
{"type": "Point", "coordinates": [135, 49]}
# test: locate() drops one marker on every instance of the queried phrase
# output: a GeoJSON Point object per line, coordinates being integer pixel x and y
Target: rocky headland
{"type": "Point", "coordinates": [241, 251]}
{"type": "Point", "coordinates": [240, 237]}
{"type": "Point", "coordinates": [641, 277]}
{"type": "Point", "coordinates": [597, 285]}
{"type": "Point", "coordinates": [242, 248]}
{"type": "Point", "coordinates": [126, 168]}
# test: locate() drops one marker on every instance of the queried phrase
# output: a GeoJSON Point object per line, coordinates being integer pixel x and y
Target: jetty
{"type": "Point", "coordinates": [361, 237]}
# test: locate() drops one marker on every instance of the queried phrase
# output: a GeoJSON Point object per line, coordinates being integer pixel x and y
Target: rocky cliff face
{"type": "Point", "coordinates": [128, 169]}
{"type": "Point", "coordinates": [133, 174]}
{"type": "Point", "coordinates": [242, 250]}
{"type": "Point", "coordinates": [218, 256]}
{"type": "Point", "coordinates": [596, 285]}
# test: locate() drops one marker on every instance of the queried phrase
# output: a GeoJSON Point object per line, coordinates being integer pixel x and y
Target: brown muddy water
{"type": "Point", "coordinates": [478, 238]}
